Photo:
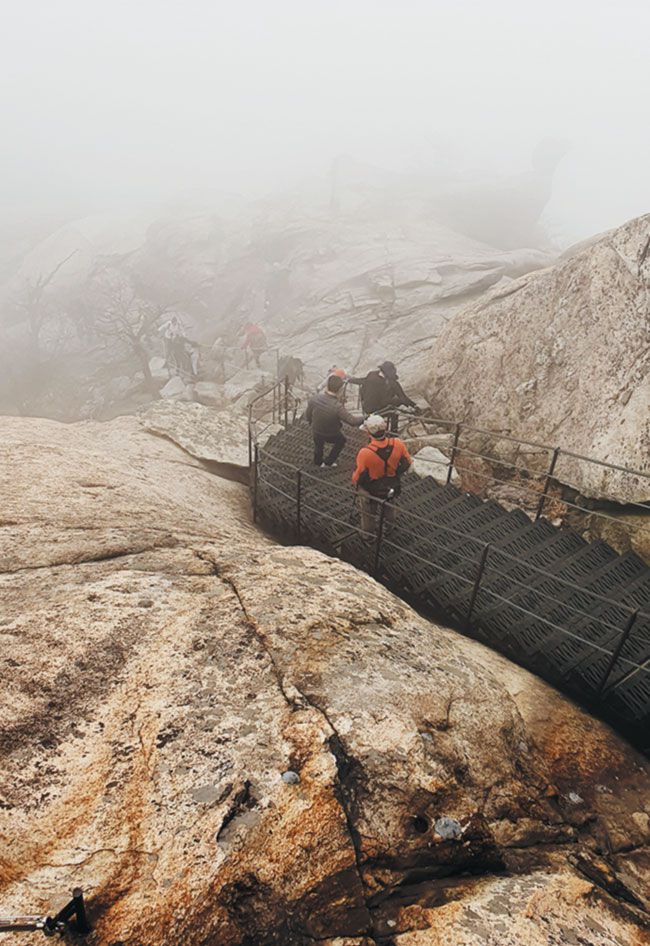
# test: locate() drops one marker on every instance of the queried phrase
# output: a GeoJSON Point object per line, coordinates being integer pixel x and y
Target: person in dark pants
{"type": "Point", "coordinates": [326, 413]}
{"type": "Point", "coordinates": [381, 390]}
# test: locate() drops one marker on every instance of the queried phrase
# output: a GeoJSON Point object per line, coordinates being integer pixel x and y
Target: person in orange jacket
{"type": "Point", "coordinates": [254, 342]}
{"type": "Point", "coordinates": [378, 472]}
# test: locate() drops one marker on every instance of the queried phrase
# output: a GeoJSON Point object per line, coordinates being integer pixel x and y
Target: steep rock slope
{"type": "Point", "coordinates": [562, 357]}
{"type": "Point", "coordinates": [355, 291]}
{"type": "Point", "coordinates": [164, 665]}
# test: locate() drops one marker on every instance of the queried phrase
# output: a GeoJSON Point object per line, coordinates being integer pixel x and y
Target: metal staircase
{"type": "Point", "coordinates": [574, 612]}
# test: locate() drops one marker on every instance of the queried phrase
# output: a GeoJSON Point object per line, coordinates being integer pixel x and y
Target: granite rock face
{"type": "Point", "coordinates": [219, 436]}
{"type": "Point", "coordinates": [357, 292]}
{"type": "Point", "coordinates": [165, 665]}
{"type": "Point", "coordinates": [561, 356]}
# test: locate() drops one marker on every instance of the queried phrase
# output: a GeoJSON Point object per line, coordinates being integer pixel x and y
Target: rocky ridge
{"type": "Point", "coordinates": [226, 741]}
{"type": "Point", "coordinates": [560, 356]}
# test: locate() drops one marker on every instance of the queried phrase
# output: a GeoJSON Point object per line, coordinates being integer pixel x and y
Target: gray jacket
{"type": "Point", "coordinates": [326, 414]}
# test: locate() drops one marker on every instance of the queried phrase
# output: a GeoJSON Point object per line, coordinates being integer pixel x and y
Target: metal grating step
{"type": "Point", "coordinates": [548, 598]}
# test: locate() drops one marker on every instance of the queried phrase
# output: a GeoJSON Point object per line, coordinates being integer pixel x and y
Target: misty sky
{"type": "Point", "coordinates": [111, 103]}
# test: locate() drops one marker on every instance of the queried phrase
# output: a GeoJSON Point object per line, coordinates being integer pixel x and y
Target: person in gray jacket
{"type": "Point", "coordinates": [326, 413]}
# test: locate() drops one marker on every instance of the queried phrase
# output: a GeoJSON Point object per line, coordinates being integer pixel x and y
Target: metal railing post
{"type": "Point", "coordinates": [625, 633]}
{"type": "Point", "coordinates": [286, 401]}
{"type": "Point", "coordinates": [547, 483]}
{"type": "Point", "coordinates": [454, 450]}
{"type": "Point", "coordinates": [299, 505]}
{"type": "Point", "coordinates": [477, 583]}
{"type": "Point", "coordinates": [83, 926]}
{"type": "Point", "coordinates": [380, 535]}
{"type": "Point", "coordinates": [255, 480]}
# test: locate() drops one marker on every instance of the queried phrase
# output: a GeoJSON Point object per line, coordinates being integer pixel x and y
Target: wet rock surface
{"type": "Point", "coordinates": [560, 357]}
{"type": "Point", "coordinates": [167, 668]}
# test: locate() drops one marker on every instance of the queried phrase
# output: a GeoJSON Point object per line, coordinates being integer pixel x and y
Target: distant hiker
{"type": "Point", "coordinates": [171, 332]}
{"type": "Point", "coordinates": [291, 368]}
{"type": "Point", "coordinates": [218, 356]}
{"type": "Point", "coordinates": [327, 414]}
{"type": "Point", "coordinates": [381, 390]}
{"type": "Point", "coordinates": [254, 342]}
{"type": "Point", "coordinates": [380, 466]}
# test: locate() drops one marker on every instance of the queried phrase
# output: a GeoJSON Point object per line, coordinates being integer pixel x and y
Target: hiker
{"type": "Point", "coordinates": [218, 357]}
{"type": "Point", "coordinates": [254, 342]}
{"type": "Point", "coordinates": [333, 370]}
{"type": "Point", "coordinates": [326, 413]}
{"type": "Point", "coordinates": [381, 390]}
{"type": "Point", "coordinates": [171, 332]}
{"type": "Point", "coordinates": [377, 476]}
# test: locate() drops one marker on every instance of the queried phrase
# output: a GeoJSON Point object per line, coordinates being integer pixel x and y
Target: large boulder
{"type": "Point", "coordinates": [562, 357]}
{"type": "Point", "coordinates": [219, 436]}
{"type": "Point", "coordinates": [226, 741]}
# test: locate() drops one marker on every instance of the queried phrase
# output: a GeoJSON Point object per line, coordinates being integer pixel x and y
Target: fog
{"type": "Point", "coordinates": [120, 104]}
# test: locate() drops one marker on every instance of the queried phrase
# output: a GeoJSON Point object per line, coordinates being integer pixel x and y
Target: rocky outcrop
{"type": "Point", "coordinates": [352, 290]}
{"type": "Point", "coordinates": [224, 741]}
{"type": "Point", "coordinates": [219, 436]}
{"type": "Point", "coordinates": [357, 291]}
{"type": "Point", "coordinates": [562, 357]}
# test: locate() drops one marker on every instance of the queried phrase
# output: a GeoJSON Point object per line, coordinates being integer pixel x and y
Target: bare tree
{"type": "Point", "coordinates": [124, 316]}
{"type": "Point", "coordinates": [33, 302]}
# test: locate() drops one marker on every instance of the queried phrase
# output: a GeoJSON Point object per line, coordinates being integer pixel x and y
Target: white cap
{"type": "Point", "coordinates": [375, 423]}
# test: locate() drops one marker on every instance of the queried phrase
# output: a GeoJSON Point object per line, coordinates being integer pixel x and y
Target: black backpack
{"type": "Point", "coordinates": [381, 487]}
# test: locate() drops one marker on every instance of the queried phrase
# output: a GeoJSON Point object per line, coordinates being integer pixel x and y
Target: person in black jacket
{"type": "Point", "coordinates": [381, 389]}
{"type": "Point", "coordinates": [326, 413]}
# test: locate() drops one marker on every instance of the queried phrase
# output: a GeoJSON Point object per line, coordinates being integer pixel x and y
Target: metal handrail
{"type": "Point", "coordinates": [636, 666]}
{"type": "Point", "coordinates": [401, 511]}
{"type": "Point", "coordinates": [492, 566]}
{"type": "Point", "coordinates": [422, 418]}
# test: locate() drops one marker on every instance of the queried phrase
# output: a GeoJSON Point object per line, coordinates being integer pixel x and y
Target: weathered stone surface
{"type": "Point", "coordinates": [165, 664]}
{"type": "Point", "coordinates": [625, 533]}
{"type": "Point", "coordinates": [210, 394]}
{"type": "Point", "coordinates": [561, 357]}
{"type": "Point", "coordinates": [360, 291]}
{"type": "Point", "coordinates": [206, 433]}
{"type": "Point", "coordinates": [175, 388]}
{"type": "Point", "coordinates": [244, 382]}
{"type": "Point", "coordinates": [158, 369]}
{"type": "Point", "coordinates": [429, 461]}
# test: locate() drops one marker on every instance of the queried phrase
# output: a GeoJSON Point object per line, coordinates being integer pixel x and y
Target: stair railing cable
{"type": "Point", "coordinates": [402, 511]}
{"type": "Point", "coordinates": [537, 494]}
{"type": "Point", "coordinates": [493, 594]}
{"type": "Point", "coordinates": [515, 559]}
{"type": "Point", "coordinates": [537, 587]}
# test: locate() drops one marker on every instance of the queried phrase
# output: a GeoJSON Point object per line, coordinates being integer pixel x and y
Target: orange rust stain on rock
{"type": "Point", "coordinates": [579, 749]}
